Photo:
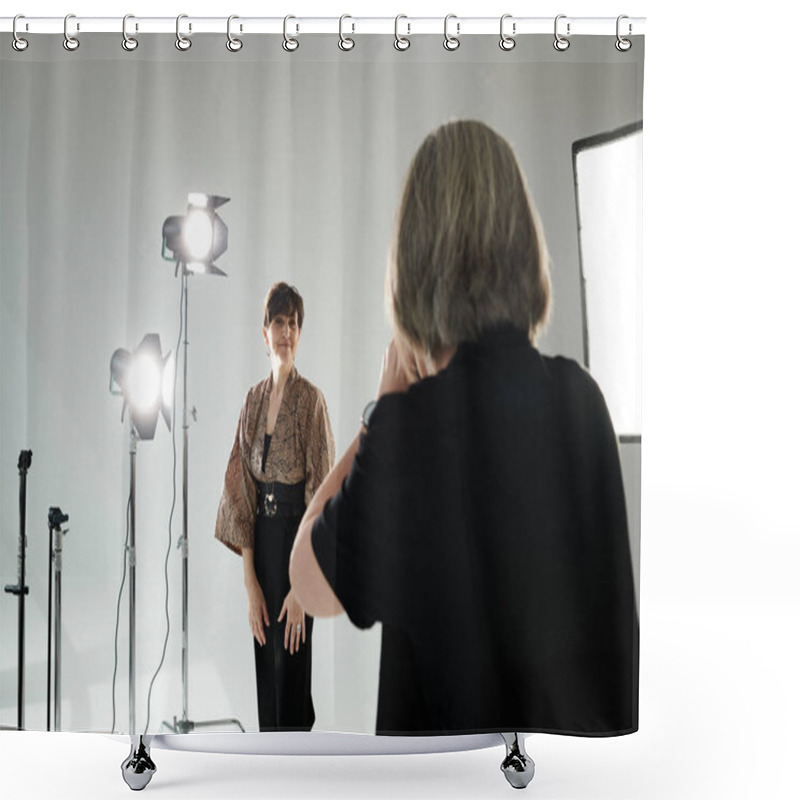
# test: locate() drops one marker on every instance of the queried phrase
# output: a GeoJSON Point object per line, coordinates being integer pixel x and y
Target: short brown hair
{"type": "Point", "coordinates": [468, 251]}
{"type": "Point", "coordinates": [283, 299]}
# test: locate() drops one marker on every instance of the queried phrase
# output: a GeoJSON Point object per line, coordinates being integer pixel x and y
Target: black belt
{"type": "Point", "coordinates": [281, 499]}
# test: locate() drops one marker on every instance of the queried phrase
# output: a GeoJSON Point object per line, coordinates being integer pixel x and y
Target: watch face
{"type": "Point", "coordinates": [368, 409]}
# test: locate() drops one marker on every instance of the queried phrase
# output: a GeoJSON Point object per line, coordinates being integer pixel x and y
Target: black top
{"type": "Point", "coordinates": [483, 523]}
{"type": "Point", "coordinates": [267, 440]}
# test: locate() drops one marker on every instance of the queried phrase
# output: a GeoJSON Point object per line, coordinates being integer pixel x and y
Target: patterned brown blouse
{"type": "Point", "coordinates": [301, 448]}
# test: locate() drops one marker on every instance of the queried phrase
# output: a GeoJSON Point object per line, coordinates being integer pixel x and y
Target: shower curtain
{"type": "Point", "coordinates": [98, 147]}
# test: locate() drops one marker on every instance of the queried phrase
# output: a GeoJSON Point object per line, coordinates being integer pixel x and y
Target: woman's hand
{"type": "Point", "coordinates": [295, 623]}
{"type": "Point", "coordinates": [399, 369]}
{"type": "Point", "coordinates": [257, 611]}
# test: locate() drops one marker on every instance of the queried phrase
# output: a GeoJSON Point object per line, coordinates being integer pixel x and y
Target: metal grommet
{"type": "Point", "coordinates": [560, 43]}
{"type": "Point", "coordinates": [18, 43]}
{"type": "Point", "coordinates": [290, 44]}
{"type": "Point", "coordinates": [451, 42]}
{"type": "Point", "coordinates": [70, 42]}
{"type": "Point", "coordinates": [129, 43]}
{"type": "Point", "coordinates": [401, 42]}
{"type": "Point", "coordinates": [345, 42]}
{"type": "Point", "coordinates": [623, 45]}
{"type": "Point", "coordinates": [233, 44]}
{"type": "Point", "coordinates": [183, 43]}
{"type": "Point", "coordinates": [507, 42]}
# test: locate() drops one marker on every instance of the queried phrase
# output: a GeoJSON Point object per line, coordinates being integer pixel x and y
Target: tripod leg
{"type": "Point", "coordinates": [138, 768]}
{"type": "Point", "coordinates": [517, 766]}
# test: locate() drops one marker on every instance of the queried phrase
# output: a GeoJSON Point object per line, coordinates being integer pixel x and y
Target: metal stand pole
{"type": "Point", "coordinates": [185, 725]}
{"type": "Point", "coordinates": [184, 543]}
{"type": "Point", "coordinates": [132, 595]}
{"type": "Point", "coordinates": [57, 681]}
{"type": "Point", "coordinates": [59, 542]}
{"type": "Point", "coordinates": [20, 589]}
{"type": "Point", "coordinates": [49, 615]}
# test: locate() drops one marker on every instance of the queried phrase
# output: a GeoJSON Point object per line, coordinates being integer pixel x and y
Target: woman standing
{"type": "Point", "coordinates": [282, 450]}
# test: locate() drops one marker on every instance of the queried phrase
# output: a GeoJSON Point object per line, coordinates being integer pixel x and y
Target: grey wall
{"type": "Point", "coordinates": [96, 149]}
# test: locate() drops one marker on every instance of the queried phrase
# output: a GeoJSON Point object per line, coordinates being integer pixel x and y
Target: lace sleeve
{"type": "Point", "coordinates": [237, 506]}
{"type": "Point", "coordinates": [320, 453]}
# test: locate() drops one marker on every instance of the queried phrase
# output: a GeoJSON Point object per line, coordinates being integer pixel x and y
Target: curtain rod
{"type": "Point", "coordinates": [461, 26]}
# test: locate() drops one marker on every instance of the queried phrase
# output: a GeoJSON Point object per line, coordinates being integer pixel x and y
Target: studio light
{"type": "Point", "coordinates": [198, 234]}
{"type": "Point", "coordinates": [196, 240]}
{"type": "Point", "coordinates": [145, 380]}
{"type": "Point", "coordinates": [193, 243]}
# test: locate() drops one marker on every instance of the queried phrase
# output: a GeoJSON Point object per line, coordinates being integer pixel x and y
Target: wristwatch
{"type": "Point", "coordinates": [366, 414]}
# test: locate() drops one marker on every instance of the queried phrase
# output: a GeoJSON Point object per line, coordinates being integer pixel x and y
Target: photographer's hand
{"type": "Point", "coordinates": [398, 370]}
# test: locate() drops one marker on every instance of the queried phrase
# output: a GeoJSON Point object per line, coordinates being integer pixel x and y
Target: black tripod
{"type": "Point", "coordinates": [19, 588]}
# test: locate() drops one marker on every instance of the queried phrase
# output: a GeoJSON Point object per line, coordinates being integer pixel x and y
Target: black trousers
{"type": "Point", "coordinates": [283, 681]}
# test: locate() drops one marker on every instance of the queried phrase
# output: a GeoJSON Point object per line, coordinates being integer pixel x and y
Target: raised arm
{"type": "Point", "coordinates": [307, 577]}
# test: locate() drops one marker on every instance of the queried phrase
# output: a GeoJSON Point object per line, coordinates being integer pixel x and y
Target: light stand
{"type": "Point", "coordinates": [183, 541]}
{"type": "Point", "coordinates": [143, 380]}
{"type": "Point", "coordinates": [184, 724]}
{"type": "Point", "coordinates": [180, 235]}
{"type": "Point", "coordinates": [55, 519]}
{"type": "Point", "coordinates": [20, 589]}
{"type": "Point", "coordinates": [131, 556]}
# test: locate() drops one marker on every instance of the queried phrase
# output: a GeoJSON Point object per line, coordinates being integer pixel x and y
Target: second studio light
{"type": "Point", "coordinates": [145, 379]}
{"type": "Point", "coordinates": [146, 382]}
{"type": "Point", "coordinates": [196, 240]}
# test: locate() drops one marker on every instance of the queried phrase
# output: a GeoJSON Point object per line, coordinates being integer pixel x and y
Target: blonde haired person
{"type": "Point", "coordinates": [282, 450]}
{"type": "Point", "coordinates": [480, 514]}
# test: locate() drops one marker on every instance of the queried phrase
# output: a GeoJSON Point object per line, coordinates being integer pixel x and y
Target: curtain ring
{"type": "Point", "coordinates": [129, 43]}
{"type": "Point", "coordinates": [560, 43]}
{"type": "Point", "coordinates": [623, 45]}
{"type": "Point", "coordinates": [401, 42]}
{"type": "Point", "coordinates": [451, 42]}
{"type": "Point", "coordinates": [18, 43]}
{"type": "Point", "coordinates": [290, 44]}
{"type": "Point", "coordinates": [233, 44]}
{"type": "Point", "coordinates": [182, 42]}
{"type": "Point", "coordinates": [345, 42]}
{"type": "Point", "coordinates": [70, 42]}
{"type": "Point", "coordinates": [507, 42]}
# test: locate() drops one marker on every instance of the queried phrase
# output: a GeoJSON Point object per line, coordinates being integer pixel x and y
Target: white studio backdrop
{"type": "Point", "coordinates": [720, 523]}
